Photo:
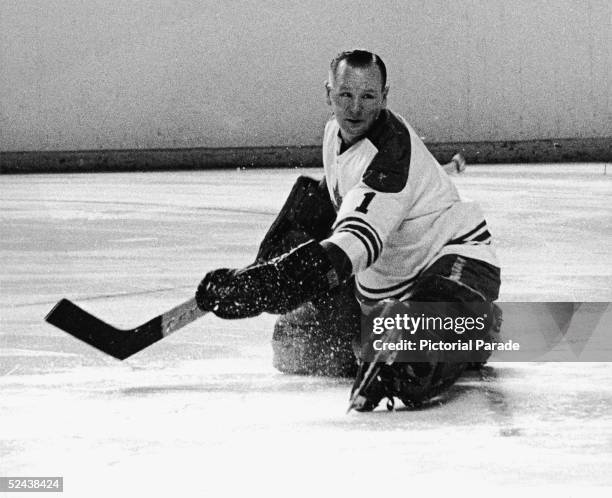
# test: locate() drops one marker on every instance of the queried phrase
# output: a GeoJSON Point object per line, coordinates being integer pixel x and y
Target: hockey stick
{"type": "Point", "coordinates": [120, 343]}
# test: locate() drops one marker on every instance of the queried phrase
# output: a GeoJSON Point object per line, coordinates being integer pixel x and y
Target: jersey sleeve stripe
{"type": "Point", "coordinates": [366, 233]}
{"type": "Point", "coordinates": [387, 295]}
{"type": "Point", "coordinates": [363, 241]}
{"type": "Point", "coordinates": [363, 222]}
{"type": "Point", "coordinates": [482, 237]}
{"type": "Point", "coordinates": [463, 238]}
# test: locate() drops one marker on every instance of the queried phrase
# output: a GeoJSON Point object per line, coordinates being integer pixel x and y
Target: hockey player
{"type": "Point", "coordinates": [386, 222]}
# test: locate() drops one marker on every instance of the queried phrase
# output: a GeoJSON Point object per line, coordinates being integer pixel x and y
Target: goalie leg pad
{"type": "Point", "coordinates": [307, 214]}
{"type": "Point", "coordinates": [450, 279]}
{"type": "Point", "coordinates": [315, 339]}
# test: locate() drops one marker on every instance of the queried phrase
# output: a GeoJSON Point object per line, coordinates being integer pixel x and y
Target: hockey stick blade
{"type": "Point", "coordinates": [120, 343]}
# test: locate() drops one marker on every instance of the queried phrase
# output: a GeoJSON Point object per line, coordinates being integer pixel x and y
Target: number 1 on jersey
{"type": "Point", "coordinates": [367, 198]}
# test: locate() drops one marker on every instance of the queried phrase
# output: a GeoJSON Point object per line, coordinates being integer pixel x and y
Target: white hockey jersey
{"type": "Point", "coordinates": [397, 209]}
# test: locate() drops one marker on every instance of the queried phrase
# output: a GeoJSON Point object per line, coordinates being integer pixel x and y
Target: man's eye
{"type": "Point", "coordinates": [345, 94]}
{"type": "Point", "coordinates": [368, 96]}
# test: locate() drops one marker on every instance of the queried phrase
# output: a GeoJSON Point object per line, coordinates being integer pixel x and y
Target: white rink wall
{"type": "Point", "coordinates": [183, 73]}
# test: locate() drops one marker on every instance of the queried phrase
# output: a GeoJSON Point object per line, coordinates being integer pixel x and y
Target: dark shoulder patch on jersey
{"type": "Point", "coordinates": [388, 171]}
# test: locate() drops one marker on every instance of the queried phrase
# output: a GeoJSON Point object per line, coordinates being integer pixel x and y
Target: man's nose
{"type": "Point", "coordinates": [355, 105]}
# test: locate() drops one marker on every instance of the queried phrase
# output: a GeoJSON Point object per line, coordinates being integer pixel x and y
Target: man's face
{"type": "Point", "coordinates": [356, 97]}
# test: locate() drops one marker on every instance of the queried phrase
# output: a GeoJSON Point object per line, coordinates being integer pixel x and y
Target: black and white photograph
{"type": "Point", "coordinates": [280, 248]}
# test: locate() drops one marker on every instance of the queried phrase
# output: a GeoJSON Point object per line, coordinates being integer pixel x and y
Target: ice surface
{"type": "Point", "coordinates": [203, 413]}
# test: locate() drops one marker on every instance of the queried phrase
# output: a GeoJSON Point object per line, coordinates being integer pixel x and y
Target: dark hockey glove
{"type": "Point", "coordinates": [276, 286]}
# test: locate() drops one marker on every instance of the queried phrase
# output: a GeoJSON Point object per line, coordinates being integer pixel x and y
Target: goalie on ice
{"type": "Point", "coordinates": [385, 223]}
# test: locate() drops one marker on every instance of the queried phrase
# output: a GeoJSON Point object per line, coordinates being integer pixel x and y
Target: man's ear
{"type": "Point", "coordinates": [327, 93]}
{"type": "Point", "coordinates": [384, 96]}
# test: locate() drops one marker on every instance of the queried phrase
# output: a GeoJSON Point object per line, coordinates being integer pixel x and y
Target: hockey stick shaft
{"type": "Point", "coordinates": [120, 343]}
{"type": "Point", "coordinates": [179, 316]}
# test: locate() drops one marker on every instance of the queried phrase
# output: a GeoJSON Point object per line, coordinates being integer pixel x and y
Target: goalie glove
{"type": "Point", "coordinates": [276, 286]}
